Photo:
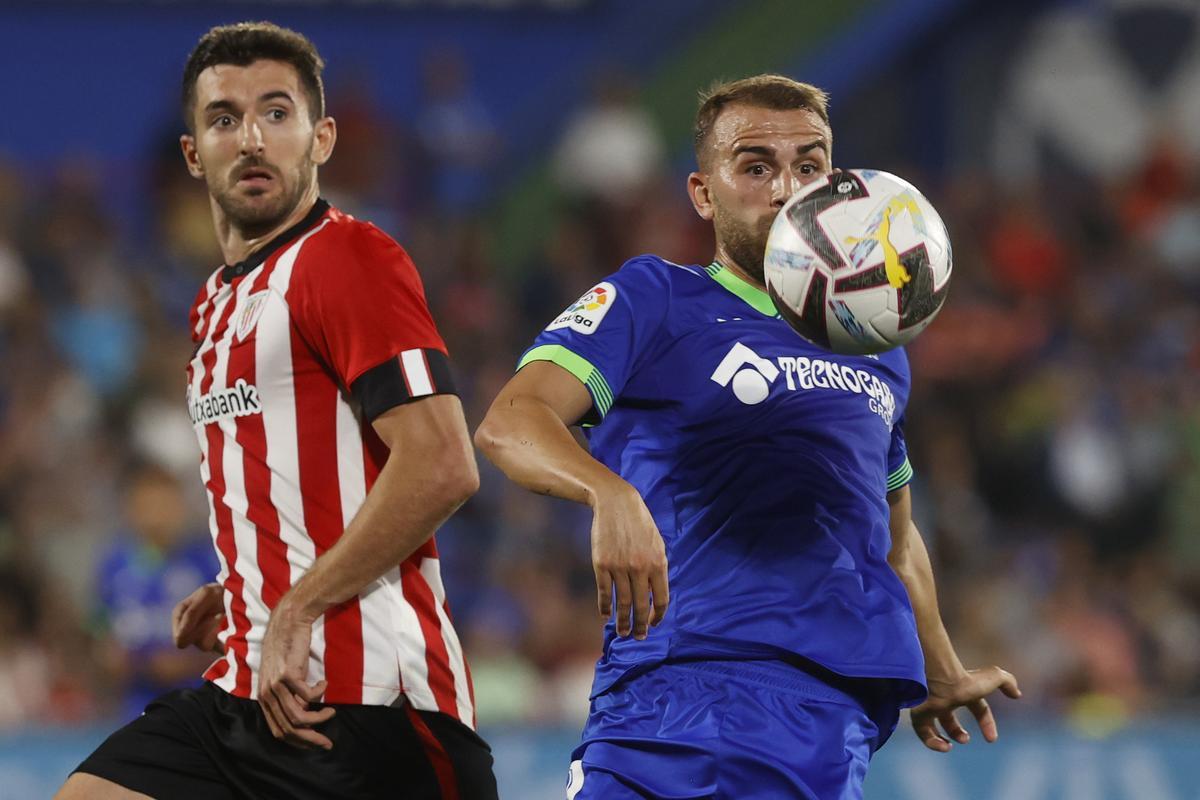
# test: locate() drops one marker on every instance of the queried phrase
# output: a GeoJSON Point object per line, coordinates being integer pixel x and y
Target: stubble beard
{"type": "Point", "coordinates": [745, 244]}
{"type": "Point", "coordinates": [252, 218]}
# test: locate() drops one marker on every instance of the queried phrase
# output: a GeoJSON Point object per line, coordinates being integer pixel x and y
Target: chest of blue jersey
{"type": "Point", "coordinates": [721, 378]}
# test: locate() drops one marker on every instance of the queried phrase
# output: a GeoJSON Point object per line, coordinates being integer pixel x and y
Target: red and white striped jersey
{"type": "Point", "coordinates": [287, 457]}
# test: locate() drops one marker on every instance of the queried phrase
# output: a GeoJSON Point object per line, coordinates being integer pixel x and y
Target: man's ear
{"type": "Point", "coordinates": [324, 138]}
{"type": "Point", "coordinates": [191, 156]}
{"type": "Point", "coordinates": [701, 197]}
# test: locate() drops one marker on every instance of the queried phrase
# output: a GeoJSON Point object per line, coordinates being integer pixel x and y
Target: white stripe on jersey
{"type": "Point", "coordinates": [245, 534]}
{"type": "Point", "coordinates": [410, 644]}
{"type": "Point", "coordinates": [431, 571]}
{"type": "Point", "coordinates": [274, 336]}
{"type": "Point", "coordinates": [380, 682]}
{"type": "Point", "coordinates": [417, 374]}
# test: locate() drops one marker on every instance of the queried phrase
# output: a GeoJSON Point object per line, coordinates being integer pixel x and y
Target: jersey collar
{"type": "Point", "coordinates": [255, 259]}
{"type": "Point", "coordinates": [759, 300]}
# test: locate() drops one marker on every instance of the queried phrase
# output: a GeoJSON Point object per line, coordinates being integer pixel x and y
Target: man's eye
{"type": "Point", "coordinates": [277, 114]}
{"type": "Point", "coordinates": [808, 169]}
{"type": "Point", "coordinates": [757, 169]}
{"type": "Point", "coordinates": [223, 121]}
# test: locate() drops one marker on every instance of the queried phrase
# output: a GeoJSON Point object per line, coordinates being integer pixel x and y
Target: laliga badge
{"type": "Point", "coordinates": [585, 314]}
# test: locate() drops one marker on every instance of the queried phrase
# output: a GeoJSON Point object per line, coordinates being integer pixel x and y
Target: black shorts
{"type": "Point", "coordinates": [205, 743]}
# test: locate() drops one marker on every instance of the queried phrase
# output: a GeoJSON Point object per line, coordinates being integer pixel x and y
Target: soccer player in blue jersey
{"type": "Point", "coordinates": [761, 481]}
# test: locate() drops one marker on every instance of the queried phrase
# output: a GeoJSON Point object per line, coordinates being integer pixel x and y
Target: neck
{"type": "Point", "coordinates": [727, 261]}
{"type": "Point", "coordinates": [237, 243]}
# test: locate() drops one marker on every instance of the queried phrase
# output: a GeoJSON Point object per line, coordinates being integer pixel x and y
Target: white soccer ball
{"type": "Point", "coordinates": [858, 262]}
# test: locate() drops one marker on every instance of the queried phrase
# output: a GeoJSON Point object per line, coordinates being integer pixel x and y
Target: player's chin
{"type": "Point", "coordinates": [255, 205]}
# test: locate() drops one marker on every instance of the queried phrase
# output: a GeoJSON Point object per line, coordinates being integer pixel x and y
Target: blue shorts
{"type": "Point", "coordinates": [720, 729]}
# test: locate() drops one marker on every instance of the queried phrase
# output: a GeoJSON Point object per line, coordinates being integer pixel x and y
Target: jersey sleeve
{"type": "Point", "coordinates": [361, 306]}
{"type": "Point", "coordinates": [603, 336]}
{"type": "Point", "coordinates": [900, 471]}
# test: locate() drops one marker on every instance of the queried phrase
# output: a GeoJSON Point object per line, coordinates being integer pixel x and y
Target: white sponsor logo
{"type": "Point", "coordinates": [585, 314]}
{"type": "Point", "coordinates": [802, 372]}
{"type": "Point", "coordinates": [239, 400]}
{"type": "Point", "coordinates": [252, 310]}
{"type": "Point", "coordinates": [747, 373]}
{"type": "Point", "coordinates": [751, 376]}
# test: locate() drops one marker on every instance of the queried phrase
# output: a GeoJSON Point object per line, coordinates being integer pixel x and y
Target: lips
{"type": "Point", "coordinates": [255, 176]}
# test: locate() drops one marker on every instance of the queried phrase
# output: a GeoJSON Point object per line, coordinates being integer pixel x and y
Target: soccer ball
{"type": "Point", "coordinates": [858, 262]}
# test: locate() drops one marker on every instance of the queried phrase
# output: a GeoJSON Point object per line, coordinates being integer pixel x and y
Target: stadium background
{"type": "Point", "coordinates": [520, 150]}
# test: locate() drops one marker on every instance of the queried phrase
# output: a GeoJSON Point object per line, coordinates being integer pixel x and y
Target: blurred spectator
{"type": "Point", "coordinates": [611, 147]}
{"type": "Point", "coordinates": [457, 136]}
{"type": "Point", "coordinates": [150, 566]}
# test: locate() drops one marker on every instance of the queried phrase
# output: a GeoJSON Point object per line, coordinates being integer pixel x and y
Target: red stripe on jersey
{"type": "Point", "coordinates": [466, 668]}
{"type": "Point", "coordinates": [316, 410]}
{"type": "Point", "coordinates": [437, 660]}
{"type": "Point", "coordinates": [217, 670]}
{"type": "Point", "coordinates": [234, 583]}
{"type": "Point", "coordinates": [443, 767]}
{"type": "Point", "coordinates": [252, 436]}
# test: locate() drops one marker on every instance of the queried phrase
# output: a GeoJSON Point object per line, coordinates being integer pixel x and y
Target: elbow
{"type": "Point", "coordinates": [487, 437]}
{"type": "Point", "coordinates": [460, 479]}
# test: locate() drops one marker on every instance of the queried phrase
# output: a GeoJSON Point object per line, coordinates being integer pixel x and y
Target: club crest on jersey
{"type": "Point", "coordinates": [253, 309]}
{"type": "Point", "coordinates": [585, 314]}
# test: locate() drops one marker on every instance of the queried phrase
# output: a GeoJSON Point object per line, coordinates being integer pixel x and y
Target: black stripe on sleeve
{"type": "Point", "coordinates": [389, 384]}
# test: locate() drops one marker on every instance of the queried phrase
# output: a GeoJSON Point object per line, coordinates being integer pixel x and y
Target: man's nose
{"type": "Point", "coordinates": [252, 138]}
{"type": "Point", "coordinates": [784, 187]}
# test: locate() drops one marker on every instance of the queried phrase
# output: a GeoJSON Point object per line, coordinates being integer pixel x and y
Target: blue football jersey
{"type": "Point", "coordinates": [765, 461]}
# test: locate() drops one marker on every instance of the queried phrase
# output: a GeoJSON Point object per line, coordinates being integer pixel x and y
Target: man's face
{"type": "Point", "coordinates": [255, 144]}
{"type": "Point", "coordinates": [757, 158]}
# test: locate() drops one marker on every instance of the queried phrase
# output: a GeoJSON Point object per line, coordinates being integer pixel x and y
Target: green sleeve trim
{"type": "Point", "coordinates": [902, 475]}
{"type": "Point", "coordinates": [580, 367]}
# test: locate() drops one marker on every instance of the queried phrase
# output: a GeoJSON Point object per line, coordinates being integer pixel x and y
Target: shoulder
{"type": "Point", "coordinates": [896, 359]}
{"type": "Point", "coordinates": [341, 252]}
{"type": "Point", "coordinates": [350, 241]}
{"type": "Point", "coordinates": [653, 275]}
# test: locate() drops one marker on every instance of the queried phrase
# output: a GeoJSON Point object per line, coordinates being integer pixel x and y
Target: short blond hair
{"type": "Point", "coordinates": [777, 92]}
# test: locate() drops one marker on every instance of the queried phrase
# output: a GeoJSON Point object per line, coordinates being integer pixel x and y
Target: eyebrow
{"type": "Point", "coordinates": [759, 150]}
{"type": "Point", "coordinates": [227, 105]}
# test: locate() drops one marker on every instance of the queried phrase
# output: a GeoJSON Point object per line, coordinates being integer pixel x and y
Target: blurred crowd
{"type": "Point", "coordinates": [1054, 425]}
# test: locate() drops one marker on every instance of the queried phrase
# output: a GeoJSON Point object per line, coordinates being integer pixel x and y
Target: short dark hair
{"type": "Point", "coordinates": [777, 92]}
{"type": "Point", "coordinates": [244, 43]}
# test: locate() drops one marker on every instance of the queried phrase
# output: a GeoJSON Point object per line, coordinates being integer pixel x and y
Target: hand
{"type": "Point", "coordinates": [970, 691]}
{"type": "Point", "coordinates": [283, 691]}
{"type": "Point", "coordinates": [199, 617]}
{"type": "Point", "coordinates": [628, 555]}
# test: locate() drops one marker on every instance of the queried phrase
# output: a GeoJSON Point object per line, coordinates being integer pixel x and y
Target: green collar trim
{"type": "Point", "coordinates": [759, 300]}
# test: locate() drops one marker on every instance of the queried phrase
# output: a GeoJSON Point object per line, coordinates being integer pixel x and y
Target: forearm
{"type": "Point", "coordinates": [532, 446]}
{"type": "Point", "coordinates": [912, 565]}
{"type": "Point", "coordinates": [400, 513]}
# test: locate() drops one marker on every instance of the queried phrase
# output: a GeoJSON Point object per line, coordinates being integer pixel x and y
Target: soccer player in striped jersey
{"type": "Point", "coordinates": [332, 446]}
{"type": "Point", "coordinates": [761, 481]}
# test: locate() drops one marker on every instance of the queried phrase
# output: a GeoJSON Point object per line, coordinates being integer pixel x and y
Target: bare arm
{"type": "Point", "coordinates": [413, 495]}
{"type": "Point", "coordinates": [950, 683]}
{"type": "Point", "coordinates": [526, 434]}
{"type": "Point", "coordinates": [403, 509]}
